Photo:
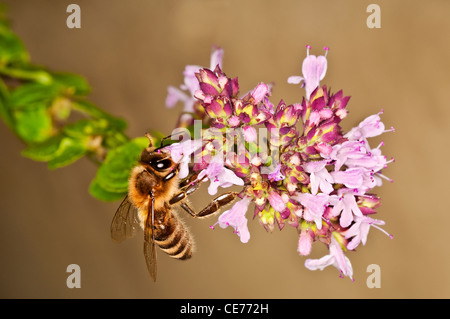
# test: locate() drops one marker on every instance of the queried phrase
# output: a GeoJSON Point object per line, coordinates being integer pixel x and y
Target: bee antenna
{"type": "Point", "coordinates": [171, 137]}
{"type": "Point", "coordinates": [150, 139]}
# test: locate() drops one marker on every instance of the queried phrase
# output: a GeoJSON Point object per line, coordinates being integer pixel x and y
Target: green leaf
{"type": "Point", "coordinates": [62, 85]}
{"type": "Point", "coordinates": [69, 151]}
{"type": "Point", "coordinates": [71, 84]}
{"type": "Point", "coordinates": [4, 112]}
{"type": "Point", "coordinates": [58, 150]}
{"type": "Point", "coordinates": [113, 174]}
{"type": "Point", "coordinates": [30, 93]}
{"type": "Point", "coordinates": [12, 49]}
{"type": "Point", "coordinates": [100, 193]}
{"type": "Point", "coordinates": [33, 124]}
{"type": "Point", "coordinates": [45, 151]}
{"type": "Point", "coordinates": [91, 109]}
{"type": "Point", "coordinates": [114, 139]}
{"type": "Point", "coordinates": [86, 127]}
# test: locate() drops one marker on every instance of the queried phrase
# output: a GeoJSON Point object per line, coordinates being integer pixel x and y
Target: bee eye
{"type": "Point", "coordinates": [161, 165]}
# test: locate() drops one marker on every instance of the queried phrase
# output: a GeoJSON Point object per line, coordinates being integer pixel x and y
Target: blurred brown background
{"type": "Point", "coordinates": [130, 51]}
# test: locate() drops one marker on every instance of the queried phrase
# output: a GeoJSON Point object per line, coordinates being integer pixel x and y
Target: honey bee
{"type": "Point", "coordinates": [154, 190]}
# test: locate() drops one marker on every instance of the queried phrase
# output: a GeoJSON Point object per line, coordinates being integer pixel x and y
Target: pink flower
{"type": "Point", "coordinates": [176, 95]}
{"type": "Point", "coordinates": [351, 178]}
{"type": "Point", "coordinates": [235, 217]}
{"type": "Point", "coordinates": [181, 153]}
{"type": "Point", "coordinates": [260, 92]}
{"type": "Point", "coordinates": [314, 206]}
{"type": "Point", "coordinates": [371, 160]}
{"type": "Point", "coordinates": [335, 258]}
{"type": "Point", "coordinates": [360, 229]}
{"type": "Point", "coordinates": [216, 58]}
{"type": "Point", "coordinates": [313, 69]}
{"type": "Point", "coordinates": [191, 85]}
{"type": "Point", "coordinates": [276, 174]}
{"type": "Point", "coordinates": [319, 176]}
{"type": "Point", "coordinates": [219, 175]}
{"type": "Point", "coordinates": [346, 206]}
{"type": "Point", "coordinates": [348, 150]}
{"type": "Point", "coordinates": [369, 127]}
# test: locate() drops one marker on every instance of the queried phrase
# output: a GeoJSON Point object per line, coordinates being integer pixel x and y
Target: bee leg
{"type": "Point", "coordinates": [212, 207]}
{"type": "Point", "coordinates": [188, 209]}
{"type": "Point", "coordinates": [188, 186]}
{"type": "Point", "coordinates": [189, 180]}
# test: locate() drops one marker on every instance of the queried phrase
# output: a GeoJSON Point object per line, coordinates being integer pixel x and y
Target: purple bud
{"type": "Point", "coordinates": [318, 104]}
{"type": "Point", "coordinates": [214, 110]}
{"type": "Point", "coordinates": [208, 89]}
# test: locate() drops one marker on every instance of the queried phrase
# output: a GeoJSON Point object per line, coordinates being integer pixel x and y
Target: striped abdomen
{"type": "Point", "coordinates": [172, 236]}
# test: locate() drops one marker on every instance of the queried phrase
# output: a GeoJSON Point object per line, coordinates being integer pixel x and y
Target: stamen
{"type": "Point", "coordinates": [307, 49]}
{"type": "Point", "coordinates": [385, 177]}
{"type": "Point", "coordinates": [390, 161]}
{"type": "Point", "coordinates": [382, 230]}
{"type": "Point", "coordinates": [326, 50]}
{"type": "Point", "coordinates": [381, 144]}
{"type": "Point", "coordinates": [367, 196]}
{"type": "Point", "coordinates": [392, 129]}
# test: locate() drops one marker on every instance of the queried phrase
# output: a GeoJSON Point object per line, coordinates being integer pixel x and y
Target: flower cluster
{"type": "Point", "coordinates": [292, 161]}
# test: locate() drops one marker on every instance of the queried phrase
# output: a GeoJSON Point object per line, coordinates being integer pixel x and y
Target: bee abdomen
{"type": "Point", "coordinates": [174, 239]}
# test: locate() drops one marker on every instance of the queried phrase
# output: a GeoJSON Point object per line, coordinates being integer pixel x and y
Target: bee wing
{"type": "Point", "coordinates": [149, 240]}
{"type": "Point", "coordinates": [125, 222]}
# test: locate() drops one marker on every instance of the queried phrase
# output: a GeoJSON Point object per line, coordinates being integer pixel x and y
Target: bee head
{"type": "Point", "coordinates": [159, 161]}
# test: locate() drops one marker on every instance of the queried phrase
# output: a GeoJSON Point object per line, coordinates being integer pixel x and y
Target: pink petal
{"type": "Point", "coordinates": [315, 166]}
{"type": "Point", "coordinates": [341, 261]}
{"type": "Point", "coordinates": [276, 202]}
{"type": "Point", "coordinates": [314, 264]}
{"type": "Point", "coordinates": [304, 243]}
{"type": "Point", "coordinates": [351, 178]}
{"type": "Point", "coordinates": [190, 80]}
{"type": "Point", "coordinates": [250, 134]}
{"type": "Point", "coordinates": [295, 79]}
{"type": "Point", "coordinates": [216, 58]}
{"type": "Point", "coordinates": [313, 69]}
{"type": "Point", "coordinates": [173, 96]}
{"type": "Point", "coordinates": [235, 217]}
{"type": "Point", "coordinates": [260, 92]}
